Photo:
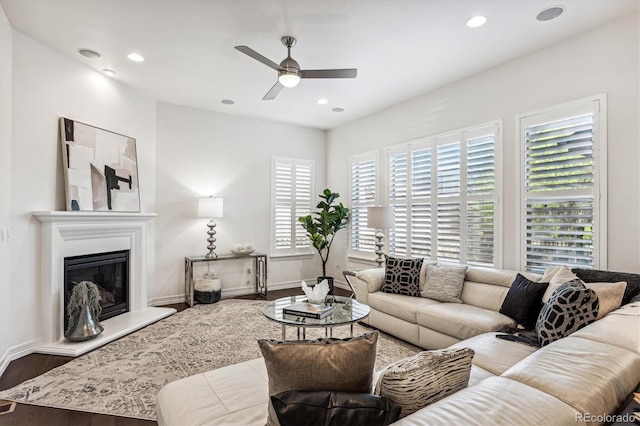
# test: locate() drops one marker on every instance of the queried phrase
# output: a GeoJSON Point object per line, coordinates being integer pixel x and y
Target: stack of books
{"type": "Point", "coordinates": [308, 310]}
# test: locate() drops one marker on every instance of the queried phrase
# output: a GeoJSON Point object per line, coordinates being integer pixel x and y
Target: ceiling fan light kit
{"type": "Point", "coordinates": [289, 72]}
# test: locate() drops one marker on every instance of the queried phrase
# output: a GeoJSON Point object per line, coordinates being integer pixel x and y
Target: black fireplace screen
{"type": "Point", "coordinates": [109, 271]}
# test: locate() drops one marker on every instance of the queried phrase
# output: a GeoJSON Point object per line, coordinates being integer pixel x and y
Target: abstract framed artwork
{"type": "Point", "coordinates": [100, 168]}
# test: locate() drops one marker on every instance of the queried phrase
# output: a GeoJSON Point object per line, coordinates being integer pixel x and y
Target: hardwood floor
{"type": "Point", "coordinates": [34, 365]}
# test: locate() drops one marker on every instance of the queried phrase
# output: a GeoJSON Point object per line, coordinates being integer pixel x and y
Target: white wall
{"type": "Point", "coordinates": [602, 60]}
{"type": "Point", "coordinates": [5, 177]}
{"type": "Point", "coordinates": [47, 85]}
{"type": "Point", "coordinates": [202, 153]}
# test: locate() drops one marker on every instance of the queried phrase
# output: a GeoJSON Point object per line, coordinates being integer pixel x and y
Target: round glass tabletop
{"type": "Point", "coordinates": [345, 311]}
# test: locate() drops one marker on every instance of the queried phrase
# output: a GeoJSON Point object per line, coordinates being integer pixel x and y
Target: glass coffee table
{"type": "Point", "coordinates": [346, 311]}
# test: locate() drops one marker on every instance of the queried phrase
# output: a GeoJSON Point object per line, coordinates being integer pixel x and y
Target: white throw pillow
{"type": "Point", "coordinates": [609, 296]}
{"type": "Point", "coordinates": [444, 283]}
{"type": "Point", "coordinates": [556, 276]}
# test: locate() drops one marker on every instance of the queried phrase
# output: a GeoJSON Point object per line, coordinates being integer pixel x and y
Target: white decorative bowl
{"type": "Point", "coordinates": [242, 252]}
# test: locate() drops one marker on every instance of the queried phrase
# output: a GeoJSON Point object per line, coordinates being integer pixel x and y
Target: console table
{"type": "Point", "coordinates": [259, 270]}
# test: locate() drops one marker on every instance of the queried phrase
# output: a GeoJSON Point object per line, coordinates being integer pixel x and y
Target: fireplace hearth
{"type": "Point", "coordinates": [109, 271]}
{"type": "Point", "coordinates": [66, 235]}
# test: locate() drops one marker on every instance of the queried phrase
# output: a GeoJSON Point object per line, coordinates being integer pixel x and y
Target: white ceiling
{"type": "Point", "coordinates": [402, 48]}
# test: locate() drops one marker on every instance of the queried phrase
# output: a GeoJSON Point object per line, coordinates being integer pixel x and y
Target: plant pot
{"type": "Point", "coordinates": [329, 281]}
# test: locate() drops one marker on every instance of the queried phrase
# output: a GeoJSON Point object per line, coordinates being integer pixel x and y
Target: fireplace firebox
{"type": "Point", "coordinates": [109, 271]}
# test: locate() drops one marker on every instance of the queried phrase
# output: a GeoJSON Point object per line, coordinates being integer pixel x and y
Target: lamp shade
{"type": "Point", "coordinates": [380, 217]}
{"type": "Point", "coordinates": [210, 207]}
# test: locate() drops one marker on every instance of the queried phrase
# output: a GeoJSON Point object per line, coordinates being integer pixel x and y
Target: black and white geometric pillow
{"type": "Point", "coordinates": [570, 307]}
{"type": "Point", "coordinates": [402, 276]}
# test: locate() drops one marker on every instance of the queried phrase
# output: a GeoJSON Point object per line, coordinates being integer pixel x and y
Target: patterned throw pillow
{"type": "Point", "coordinates": [571, 307]}
{"type": "Point", "coordinates": [444, 283]}
{"type": "Point", "coordinates": [402, 276]}
{"type": "Point", "coordinates": [427, 377]}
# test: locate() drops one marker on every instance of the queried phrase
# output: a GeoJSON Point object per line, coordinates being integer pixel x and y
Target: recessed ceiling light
{"type": "Point", "coordinates": [337, 109]}
{"type": "Point", "coordinates": [550, 13]}
{"type": "Point", "coordinates": [227, 102]}
{"type": "Point", "coordinates": [109, 72]}
{"type": "Point", "coordinates": [88, 53]}
{"type": "Point", "coordinates": [476, 21]}
{"type": "Point", "coordinates": [322, 101]}
{"type": "Point", "coordinates": [136, 57]}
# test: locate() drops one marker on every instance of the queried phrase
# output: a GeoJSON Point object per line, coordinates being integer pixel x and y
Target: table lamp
{"type": "Point", "coordinates": [380, 218]}
{"type": "Point", "coordinates": [210, 207]}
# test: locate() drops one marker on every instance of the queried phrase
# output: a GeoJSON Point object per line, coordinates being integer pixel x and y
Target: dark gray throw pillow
{"type": "Point", "coordinates": [597, 276]}
{"type": "Point", "coordinates": [571, 307]}
{"type": "Point", "coordinates": [402, 276]}
{"type": "Point", "coordinates": [325, 408]}
{"type": "Point", "coordinates": [524, 301]}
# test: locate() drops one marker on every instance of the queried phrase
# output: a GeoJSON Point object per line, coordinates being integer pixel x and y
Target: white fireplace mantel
{"type": "Point", "coordinates": [65, 234]}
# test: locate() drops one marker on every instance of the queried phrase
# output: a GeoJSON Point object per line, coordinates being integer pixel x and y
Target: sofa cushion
{"type": "Point", "coordinates": [590, 376]}
{"type": "Point", "coordinates": [495, 355]}
{"type": "Point", "coordinates": [324, 364]}
{"type": "Point", "coordinates": [333, 408]}
{"type": "Point", "coordinates": [571, 307]}
{"type": "Point", "coordinates": [444, 283]}
{"type": "Point", "coordinates": [609, 296]}
{"type": "Point", "coordinates": [501, 277]}
{"type": "Point", "coordinates": [402, 276]}
{"type": "Point", "coordinates": [597, 276]}
{"type": "Point", "coordinates": [461, 321]}
{"type": "Point", "coordinates": [483, 295]}
{"type": "Point", "coordinates": [620, 328]}
{"type": "Point", "coordinates": [235, 394]}
{"type": "Point", "coordinates": [425, 378]}
{"type": "Point", "coordinates": [399, 306]}
{"type": "Point", "coordinates": [524, 301]}
{"type": "Point", "coordinates": [495, 401]}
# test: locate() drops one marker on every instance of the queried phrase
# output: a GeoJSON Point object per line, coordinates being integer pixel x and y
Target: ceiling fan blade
{"type": "Point", "coordinates": [258, 57]}
{"type": "Point", "coordinates": [343, 73]}
{"type": "Point", "coordinates": [273, 92]}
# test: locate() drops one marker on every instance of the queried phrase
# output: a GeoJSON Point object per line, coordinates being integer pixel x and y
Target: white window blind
{"type": "Point", "coordinates": [292, 185]}
{"type": "Point", "coordinates": [560, 192]}
{"type": "Point", "coordinates": [362, 194]}
{"type": "Point", "coordinates": [443, 190]}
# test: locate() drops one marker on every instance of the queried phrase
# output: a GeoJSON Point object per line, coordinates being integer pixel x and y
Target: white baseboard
{"type": "Point", "coordinates": [166, 300]}
{"type": "Point", "coordinates": [16, 352]}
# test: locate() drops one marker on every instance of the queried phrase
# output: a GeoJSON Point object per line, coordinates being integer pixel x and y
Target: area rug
{"type": "Point", "coordinates": [123, 377]}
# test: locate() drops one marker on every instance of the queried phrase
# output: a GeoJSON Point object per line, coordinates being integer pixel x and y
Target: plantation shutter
{"type": "Point", "coordinates": [560, 201]}
{"type": "Point", "coordinates": [481, 203]}
{"type": "Point", "coordinates": [397, 178]}
{"type": "Point", "coordinates": [443, 190]}
{"type": "Point", "coordinates": [448, 204]}
{"type": "Point", "coordinates": [292, 184]}
{"type": "Point", "coordinates": [363, 169]}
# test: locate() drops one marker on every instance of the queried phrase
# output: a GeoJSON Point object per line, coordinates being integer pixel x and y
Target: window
{"type": "Point", "coordinates": [362, 194]}
{"type": "Point", "coordinates": [291, 189]}
{"type": "Point", "coordinates": [443, 190]}
{"type": "Point", "coordinates": [562, 172]}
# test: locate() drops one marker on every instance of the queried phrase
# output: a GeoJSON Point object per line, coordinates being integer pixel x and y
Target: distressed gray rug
{"type": "Point", "coordinates": [123, 377]}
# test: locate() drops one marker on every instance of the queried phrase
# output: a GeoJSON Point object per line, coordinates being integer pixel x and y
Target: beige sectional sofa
{"type": "Point", "coordinates": [433, 325]}
{"type": "Point", "coordinates": [578, 379]}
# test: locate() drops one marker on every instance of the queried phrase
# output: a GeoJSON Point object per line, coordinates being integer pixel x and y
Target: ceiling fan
{"type": "Point", "coordinates": [289, 72]}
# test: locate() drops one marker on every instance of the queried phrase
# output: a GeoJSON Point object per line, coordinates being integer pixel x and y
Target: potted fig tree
{"type": "Point", "coordinates": [322, 225]}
